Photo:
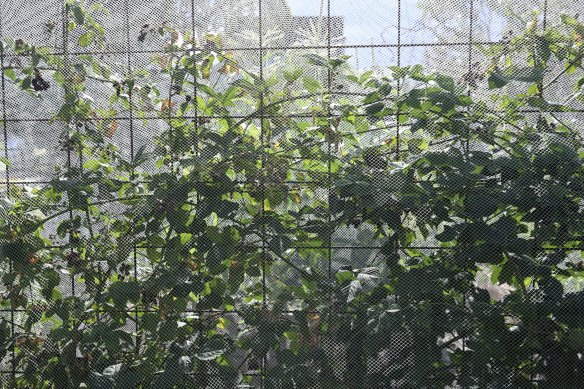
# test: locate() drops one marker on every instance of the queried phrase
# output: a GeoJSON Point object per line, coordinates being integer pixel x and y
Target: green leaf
{"type": "Point", "coordinates": [446, 82]}
{"type": "Point", "coordinates": [16, 251]}
{"type": "Point", "coordinates": [140, 156]}
{"type": "Point", "coordinates": [59, 78]}
{"type": "Point", "coordinates": [465, 101]}
{"type": "Point", "coordinates": [5, 161]}
{"type": "Point", "coordinates": [122, 292]}
{"type": "Point", "coordinates": [78, 14]}
{"type": "Point", "coordinates": [544, 105]}
{"type": "Point", "coordinates": [543, 48]}
{"type": "Point", "coordinates": [497, 80]}
{"type": "Point", "coordinates": [292, 76]}
{"type": "Point", "coordinates": [10, 73]}
{"type": "Point", "coordinates": [312, 85]}
{"type": "Point", "coordinates": [51, 280]}
{"type": "Point", "coordinates": [374, 109]}
{"type": "Point", "coordinates": [573, 22]}
{"type": "Point", "coordinates": [92, 164]}
{"type": "Point", "coordinates": [529, 74]}
{"type": "Point", "coordinates": [26, 82]}
{"type": "Point", "coordinates": [5, 336]}
{"type": "Point", "coordinates": [86, 39]}
{"type": "Point", "coordinates": [336, 62]}
{"type": "Point", "coordinates": [245, 85]}
{"type": "Point", "coordinates": [449, 234]}
{"type": "Point", "coordinates": [315, 59]}
{"type": "Point", "coordinates": [343, 276]}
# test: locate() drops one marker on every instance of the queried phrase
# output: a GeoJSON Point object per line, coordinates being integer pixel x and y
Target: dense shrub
{"type": "Point", "coordinates": [222, 253]}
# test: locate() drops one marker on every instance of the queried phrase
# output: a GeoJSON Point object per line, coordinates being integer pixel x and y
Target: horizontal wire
{"type": "Point", "coordinates": [275, 48]}
{"type": "Point", "coordinates": [236, 116]}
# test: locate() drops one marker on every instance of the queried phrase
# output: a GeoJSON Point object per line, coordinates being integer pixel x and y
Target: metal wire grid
{"type": "Point", "coordinates": [129, 51]}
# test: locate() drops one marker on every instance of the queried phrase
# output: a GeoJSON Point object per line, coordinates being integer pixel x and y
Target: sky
{"type": "Point", "coordinates": [366, 22]}
{"type": "Point", "coordinates": [375, 22]}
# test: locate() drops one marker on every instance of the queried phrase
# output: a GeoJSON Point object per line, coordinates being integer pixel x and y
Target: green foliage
{"type": "Point", "coordinates": [211, 262]}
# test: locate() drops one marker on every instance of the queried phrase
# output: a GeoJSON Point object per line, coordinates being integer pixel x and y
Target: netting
{"type": "Point", "coordinates": [271, 194]}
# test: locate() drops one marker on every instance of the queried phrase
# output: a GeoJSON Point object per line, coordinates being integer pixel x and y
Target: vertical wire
{"type": "Point", "coordinates": [5, 133]}
{"type": "Point", "coordinates": [262, 151]}
{"type": "Point", "coordinates": [194, 100]}
{"type": "Point", "coordinates": [545, 12]}
{"type": "Point", "coordinates": [65, 19]}
{"type": "Point", "coordinates": [7, 177]}
{"type": "Point", "coordinates": [469, 70]}
{"type": "Point", "coordinates": [4, 117]}
{"type": "Point", "coordinates": [262, 188]}
{"type": "Point", "coordinates": [195, 92]}
{"type": "Point", "coordinates": [195, 103]}
{"type": "Point", "coordinates": [470, 38]}
{"type": "Point", "coordinates": [397, 127]}
{"type": "Point", "coordinates": [129, 65]}
{"type": "Point", "coordinates": [65, 42]}
{"type": "Point", "coordinates": [544, 27]}
{"type": "Point", "coordinates": [470, 57]}
{"type": "Point", "coordinates": [132, 172]}
{"type": "Point", "coordinates": [329, 143]}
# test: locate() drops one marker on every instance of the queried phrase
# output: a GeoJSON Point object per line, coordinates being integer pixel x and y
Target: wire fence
{"type": "Point", "coordinates": [260, 34]}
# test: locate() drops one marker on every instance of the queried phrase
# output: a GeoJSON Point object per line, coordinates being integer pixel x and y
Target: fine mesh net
{"type": "Point", "coordinates": [303, 268]}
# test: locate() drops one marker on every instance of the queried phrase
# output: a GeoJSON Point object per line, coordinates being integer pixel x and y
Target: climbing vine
{"type": "Point", "coordinates": [304, 243]}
